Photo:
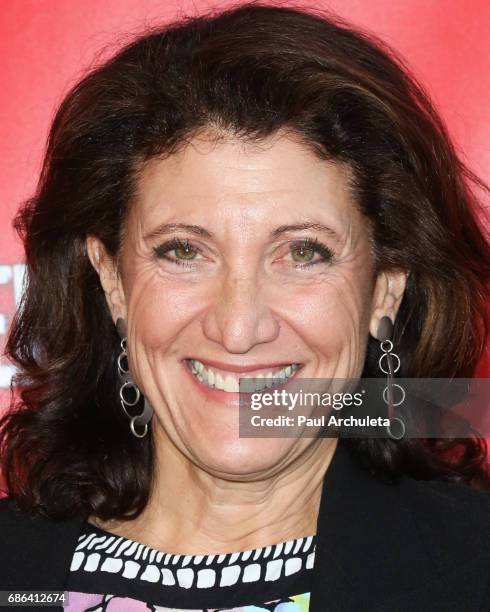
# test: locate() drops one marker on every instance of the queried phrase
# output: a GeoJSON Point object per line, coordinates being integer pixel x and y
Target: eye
{"type": "Point", "coordinates": [302, 254]}
{"type": "Point", "coordinates": [183, 251]}
{"type": "Point", "coordinates": [304, 251]}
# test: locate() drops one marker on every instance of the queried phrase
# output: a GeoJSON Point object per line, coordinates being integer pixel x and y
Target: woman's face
{"type": "Point", "coordinates": [241, 258]}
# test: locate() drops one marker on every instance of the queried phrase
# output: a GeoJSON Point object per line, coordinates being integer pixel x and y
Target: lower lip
{"type": "Point", "coordinates": [218, 395]}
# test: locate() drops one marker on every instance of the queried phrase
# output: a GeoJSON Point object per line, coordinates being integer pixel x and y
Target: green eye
{"type": "Point", "coordinates": [302, 254]}
{"type": "Point", "coordinates": [185, 252]}
{"type": "Point", "coordinates": [178, 252]}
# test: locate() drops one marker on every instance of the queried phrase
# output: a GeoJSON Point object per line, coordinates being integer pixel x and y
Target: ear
{"type": "Point", "coordinates": [387, 296]}
{"type": "Point", "coordinates": [109, 276]}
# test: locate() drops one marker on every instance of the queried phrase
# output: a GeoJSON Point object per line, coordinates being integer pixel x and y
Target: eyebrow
{"type": "Point", "coordinates": [318, 227]}
{"type": "Point", "coordinates": [168, 228]}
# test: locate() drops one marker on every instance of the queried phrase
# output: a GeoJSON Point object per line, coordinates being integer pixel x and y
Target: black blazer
{"type": "Point", "coordinates": [420, 546]}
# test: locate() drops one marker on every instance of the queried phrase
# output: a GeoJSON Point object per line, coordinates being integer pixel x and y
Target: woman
{"type": "Point", "coordinates": [259, 193]}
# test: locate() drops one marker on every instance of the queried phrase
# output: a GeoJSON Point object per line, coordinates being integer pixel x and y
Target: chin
{"type": "Point", "coordinates": [243, 457]}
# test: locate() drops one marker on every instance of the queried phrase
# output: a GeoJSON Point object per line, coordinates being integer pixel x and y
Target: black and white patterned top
{"type": "Point", "coordinates": [112, 573]}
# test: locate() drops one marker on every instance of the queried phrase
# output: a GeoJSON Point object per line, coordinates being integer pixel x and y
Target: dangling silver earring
{"type": "Point", "coordinates": [387, 366]}
{"type": "Point", "coordinates": [128, 387]}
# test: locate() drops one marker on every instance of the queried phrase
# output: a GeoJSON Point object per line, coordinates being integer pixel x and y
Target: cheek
{"type": "Point", "coordinates": [331, 315]}
{"type": "Point", "coordinates": [159, 310]}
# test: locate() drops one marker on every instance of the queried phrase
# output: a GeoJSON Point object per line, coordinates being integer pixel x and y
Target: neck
{"type": "Point", "coordinates": [193, 512]}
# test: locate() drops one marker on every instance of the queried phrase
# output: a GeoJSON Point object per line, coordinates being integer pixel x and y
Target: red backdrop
{"type": "Point", "coordinates": [45, 45]}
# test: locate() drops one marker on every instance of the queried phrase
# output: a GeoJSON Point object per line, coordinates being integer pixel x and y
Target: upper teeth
{"type": "Point", "coordinates": [230, 383]}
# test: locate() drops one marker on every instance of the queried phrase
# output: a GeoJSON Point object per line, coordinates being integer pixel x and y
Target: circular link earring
{"type": "Point", "coordinates": [384, 335]}
{"type": "Point", "coordinates": [129, 393]}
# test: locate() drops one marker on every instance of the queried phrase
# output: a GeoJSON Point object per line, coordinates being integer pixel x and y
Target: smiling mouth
{"type": "Point", "coordinates": [229, 381]}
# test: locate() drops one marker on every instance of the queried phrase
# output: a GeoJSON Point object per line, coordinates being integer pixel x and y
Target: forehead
{"type": "Point", "coordinates": [278, 173]}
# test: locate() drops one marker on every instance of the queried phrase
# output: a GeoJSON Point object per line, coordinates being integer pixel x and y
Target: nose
{"type": "Point", "coordinates": [240, 316]}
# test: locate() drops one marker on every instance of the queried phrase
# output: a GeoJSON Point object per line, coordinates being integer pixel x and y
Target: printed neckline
{"type": "Point", "coordinates": [96, 538]}
{"type": "Point", "coordinates": [106, 563]}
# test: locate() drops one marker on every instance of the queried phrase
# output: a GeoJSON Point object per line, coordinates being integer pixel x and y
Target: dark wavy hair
{"type": "Point", "coordinates": [248, 71]}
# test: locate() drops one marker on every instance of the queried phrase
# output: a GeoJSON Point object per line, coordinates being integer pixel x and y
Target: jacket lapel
{"type": "Point", "coordinates": [370, 556]}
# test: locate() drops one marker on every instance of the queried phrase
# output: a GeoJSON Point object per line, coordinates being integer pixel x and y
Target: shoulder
{"type": "Point", "coordinates": [411, 545]}
{"type": "Point", "coordinates": [16, 523]}
{"type": "Point", "coordinates": [452, 518]}
{"type": "Point", "coordinates": [29, 560]}
{"type": "Point", "coordinates": [12, 519]}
